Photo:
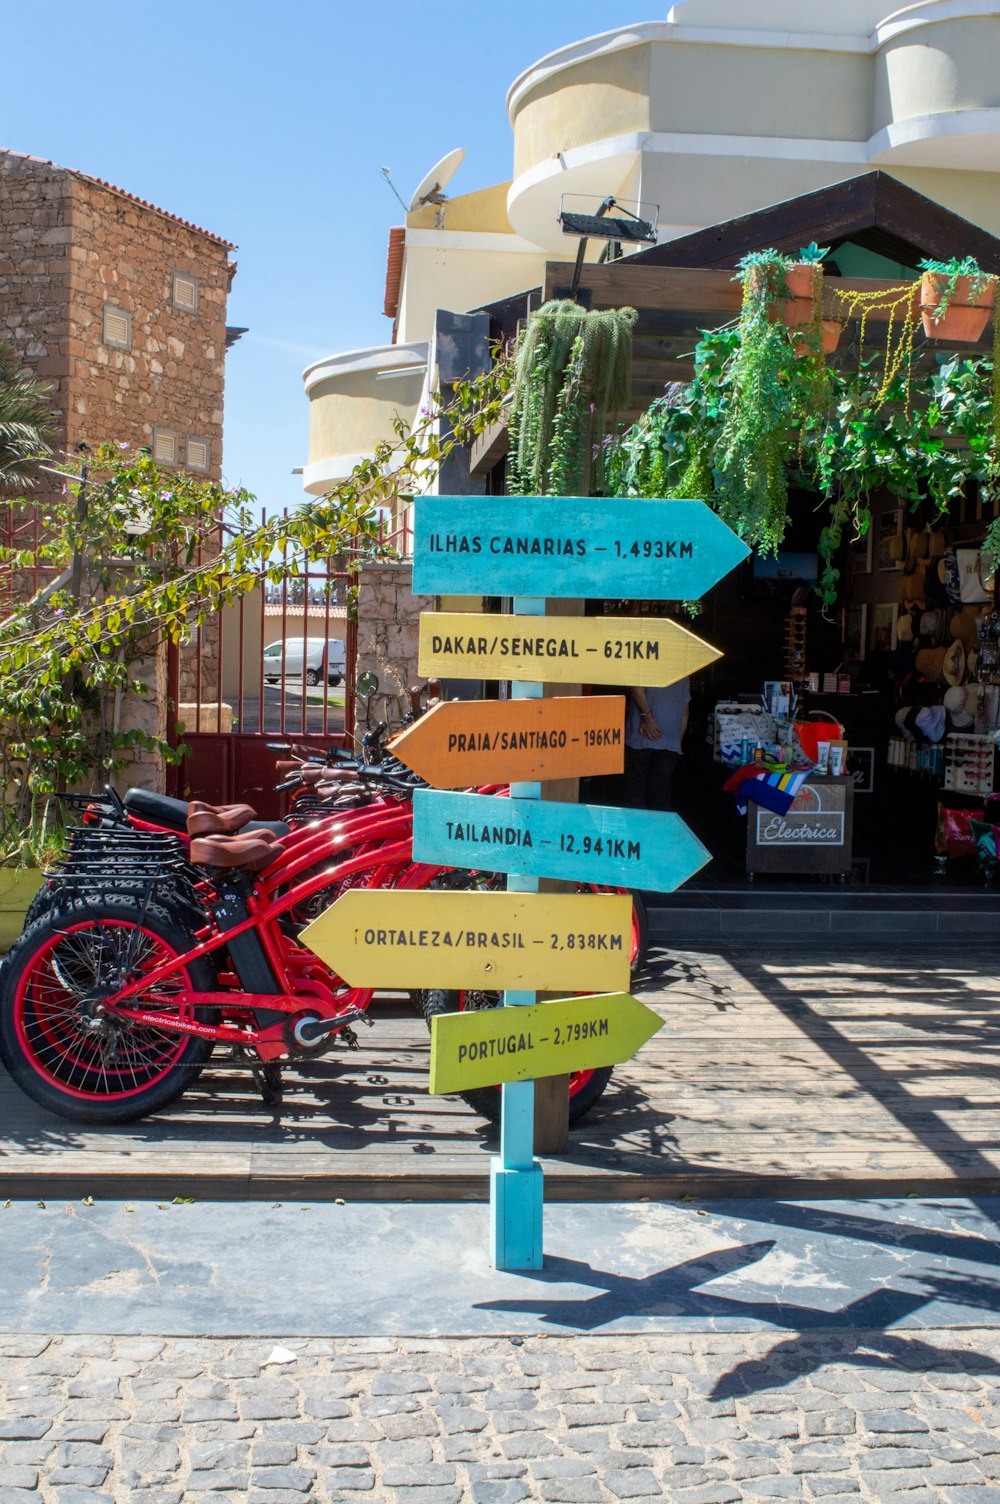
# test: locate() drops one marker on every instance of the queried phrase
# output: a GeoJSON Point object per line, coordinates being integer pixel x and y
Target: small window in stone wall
{"type": "Point", "coordinates": [184, 294]}
{"type": "Point", "coordinates": [165, 446]}
{"type": "Point", "coordinates": [117, 330]}
{"type": "Point", "coordinates": [198, 454]}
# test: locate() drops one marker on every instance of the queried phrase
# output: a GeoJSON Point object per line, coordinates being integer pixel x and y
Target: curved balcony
{"type": "Point", "coordinates": [662, 110]}
{"type": "Point", "coordinates": [353, 400]}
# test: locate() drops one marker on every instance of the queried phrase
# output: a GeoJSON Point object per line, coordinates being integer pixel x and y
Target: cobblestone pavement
{"type": "Point", "coordinates": [696, 1419]}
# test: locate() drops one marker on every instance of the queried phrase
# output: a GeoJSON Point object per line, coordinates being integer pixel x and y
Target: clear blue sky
{"type": "Point", "coordinates": [267, 122]}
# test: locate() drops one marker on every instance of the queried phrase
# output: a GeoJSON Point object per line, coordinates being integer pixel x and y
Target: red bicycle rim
{"type": "Point", "coordinates": [114, 1066]}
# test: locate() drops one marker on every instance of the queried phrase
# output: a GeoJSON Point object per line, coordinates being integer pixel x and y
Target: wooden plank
{"type": "Point", "coordinates": [572, 546]}
{"type": "Point", "coordinates": [553, 1038]}
{"type": "Point", "coordinates": [591, 650]}
{"type": "Point", "coordinates": [752, 1087]}
{"type": "Point", "coordinates": [583, 843]}
{"type": "Point", "coordinates": [461, 745]}
{"type": "Point", "coordinates": [458, 939]}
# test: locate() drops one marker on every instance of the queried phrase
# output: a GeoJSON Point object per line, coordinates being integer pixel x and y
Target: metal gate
{"type": "Point", "coordinates": [230, 702]}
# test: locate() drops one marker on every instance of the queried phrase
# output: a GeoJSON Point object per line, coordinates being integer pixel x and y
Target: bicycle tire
{"type": "Point", "coordinates": [131, 1071]}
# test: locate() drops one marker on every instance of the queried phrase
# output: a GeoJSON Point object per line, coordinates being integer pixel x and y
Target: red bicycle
{"type": "Point", "coordinates": [153, 948]}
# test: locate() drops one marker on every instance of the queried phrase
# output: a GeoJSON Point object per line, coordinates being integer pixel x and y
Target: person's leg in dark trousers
{"type": "Point", "coordinates": [660, 779]}
{"type": "Point", "coordinates": [635, 785]}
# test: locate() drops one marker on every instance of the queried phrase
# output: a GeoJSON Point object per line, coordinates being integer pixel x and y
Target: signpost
{"type": "Point", "coordinates": [586, 843]}
{"type": "Point", "coordinates": [486, 1047]}
{"type": "Point", "coordinates": [570, 546]}
{"type": "Point", "coordinates": [560, 649]}
{"type": "Point", "coordinates": [532, 548]}
{"type": "Point", "coordinates": [459, 744]}
{"type": "Point", "coordinates": [375, 937]}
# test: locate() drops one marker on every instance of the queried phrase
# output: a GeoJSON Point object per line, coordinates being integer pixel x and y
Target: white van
{"type": "Point", "coordinates": [285, 660]}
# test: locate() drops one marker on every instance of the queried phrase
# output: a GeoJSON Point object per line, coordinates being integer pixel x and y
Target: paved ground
{"type": "Point", "coordinates": [700, 1354]}
{"type": "Point", "coordinates": [696, 1420]}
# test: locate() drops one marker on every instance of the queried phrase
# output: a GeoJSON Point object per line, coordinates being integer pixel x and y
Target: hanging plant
{"type": "Point", "coordinates": [573, 375]}
{"type": "Point", "coordinates": [773, 394]}
{"type": "Point", "coordinates": [956, 298]}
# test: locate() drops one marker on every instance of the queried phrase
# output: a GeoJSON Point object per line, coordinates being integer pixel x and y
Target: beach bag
{"type": "Point", "coordinates": [733, 728]}
{"type": "Point", "coordinates": [811, 733]}
{"type": "Point", "coordinates": [954, 836]}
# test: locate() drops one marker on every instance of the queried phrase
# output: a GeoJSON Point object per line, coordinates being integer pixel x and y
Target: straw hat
{"type": "Point", "coordinates": [953, 667]}
{"type": "Point", "coordinates": [904, 628]}
{"type": "Point", "coordinates": [930, 663]}
{"type": "Point", "coordinates": [963, 626]}
{"type": "Point", "coordinates": [932, 627]}
{"type": "Point", "coordinates": [918, 544]}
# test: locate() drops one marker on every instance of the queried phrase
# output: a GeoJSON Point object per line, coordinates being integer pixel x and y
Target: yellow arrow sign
{"type": "Point", "coordinates": [485, 1047]}
{"type": "Point", "coordinates": [375, 938]}
{"type": "Point", "coordinates": [560, 649]}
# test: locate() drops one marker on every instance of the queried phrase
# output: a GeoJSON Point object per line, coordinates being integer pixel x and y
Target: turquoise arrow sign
{"type": "Point", "coordinates": [570, 546]}
{"type": "Point", "coordinates": [585, 843]}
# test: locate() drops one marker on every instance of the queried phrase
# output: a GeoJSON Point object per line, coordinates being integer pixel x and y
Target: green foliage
{"type": "Point", "coordinates": [573, 372]}
{"type": "Point", "coordinates": [811, 254]}
{"type": "Point", "coordinates": [843, 434]}
{"type": "Point", "coordinates": [951, 271]}
{"type": "Point", "coordinates": [26, 422]}
{"type": "Point", "coordinates": [137, 556]}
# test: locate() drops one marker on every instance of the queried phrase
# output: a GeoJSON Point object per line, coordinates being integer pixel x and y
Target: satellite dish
{"type": "Point", "coordinates": [428, 190]}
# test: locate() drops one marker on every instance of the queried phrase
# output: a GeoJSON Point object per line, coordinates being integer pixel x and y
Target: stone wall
{"type": "Point", "coordinates": [35, 235]}
{"type": "Point", "coordinates": [388, 619]}
{"type": "Point", "coordinates": [68, 246]}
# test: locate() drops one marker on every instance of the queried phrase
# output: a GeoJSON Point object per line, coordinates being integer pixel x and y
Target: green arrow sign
{"type": "Point", "coordinates": [488, 1046]}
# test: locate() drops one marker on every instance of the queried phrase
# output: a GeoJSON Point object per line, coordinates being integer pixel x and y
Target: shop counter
{"type": "Point", "coordinates": [815, 835]}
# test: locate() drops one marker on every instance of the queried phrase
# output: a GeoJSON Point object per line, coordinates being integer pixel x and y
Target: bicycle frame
{"type": "Point", "coordinates": [305, 984]}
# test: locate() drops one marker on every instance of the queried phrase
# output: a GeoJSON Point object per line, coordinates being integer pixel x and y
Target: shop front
{"type": "Point", "coordinates": [847, 734]}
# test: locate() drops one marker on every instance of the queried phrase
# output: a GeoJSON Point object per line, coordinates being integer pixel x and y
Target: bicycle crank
{"type": "Point", "coordinates": [311, 1031]}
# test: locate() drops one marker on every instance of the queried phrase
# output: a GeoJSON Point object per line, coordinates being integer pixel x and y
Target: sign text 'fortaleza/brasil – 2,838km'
{"type": "Point", "coordinates": [389, 938]}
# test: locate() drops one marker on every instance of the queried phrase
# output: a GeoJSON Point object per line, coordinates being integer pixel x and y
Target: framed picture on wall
{"type": "Point", "coordinates": [884, 619]}
{"type": "Point", "coordinates": [859, 554]}
{"type": "Point", "coordinates": [890, 525]}
{"type": "Point", "coordinates": [856, 632]}
{"type": "Point", "coordinates": [861, 761]}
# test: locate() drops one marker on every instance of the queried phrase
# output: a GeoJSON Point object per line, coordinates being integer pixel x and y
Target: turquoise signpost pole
{"type": "Point", "coordinates": [516, 1184]}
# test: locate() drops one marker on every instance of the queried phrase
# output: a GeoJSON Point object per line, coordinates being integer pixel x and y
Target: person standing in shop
{"type": "Point", "coordinates": [654, 733]}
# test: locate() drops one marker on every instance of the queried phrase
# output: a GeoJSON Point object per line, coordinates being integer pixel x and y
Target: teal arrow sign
{"type": "Point", "coordinates": [570, 546]}
{"type": "Point", "coordinates": [586, 843]}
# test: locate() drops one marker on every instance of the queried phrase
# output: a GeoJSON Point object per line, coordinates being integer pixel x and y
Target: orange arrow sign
{"type": "Point", "coordinates": [464, 743]}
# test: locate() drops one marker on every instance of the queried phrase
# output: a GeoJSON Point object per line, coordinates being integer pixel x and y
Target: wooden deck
{"type": "Point", "coordinates": [778, 1073]}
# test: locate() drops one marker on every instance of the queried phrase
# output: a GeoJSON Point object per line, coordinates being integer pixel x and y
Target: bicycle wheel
{"type": "Point", "coordinates": [79, 1063]}
{"type": "Point", "coordinates": [585, 1087]}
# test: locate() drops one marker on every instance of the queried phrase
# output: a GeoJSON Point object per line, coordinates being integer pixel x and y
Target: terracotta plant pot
{"type": "Point", "coordinates": [798, 307]}
{"type": "Point", "coordinates": [967, 314]}
{"type": "Point", "coordinates": [829, 338]}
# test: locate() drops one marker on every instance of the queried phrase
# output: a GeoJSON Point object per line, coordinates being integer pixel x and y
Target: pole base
{"type": "Point", "coordinates": [516, 1216]}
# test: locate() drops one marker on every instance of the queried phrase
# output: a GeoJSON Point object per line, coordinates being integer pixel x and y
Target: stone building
{"type": "Point", "coordinates": [121, 308]}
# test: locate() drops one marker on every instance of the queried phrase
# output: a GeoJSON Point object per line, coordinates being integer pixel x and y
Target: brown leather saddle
{"type": "Point", "coordinates": [217, 819]}
{"type": "Point", "coordinates": [250, 851]}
